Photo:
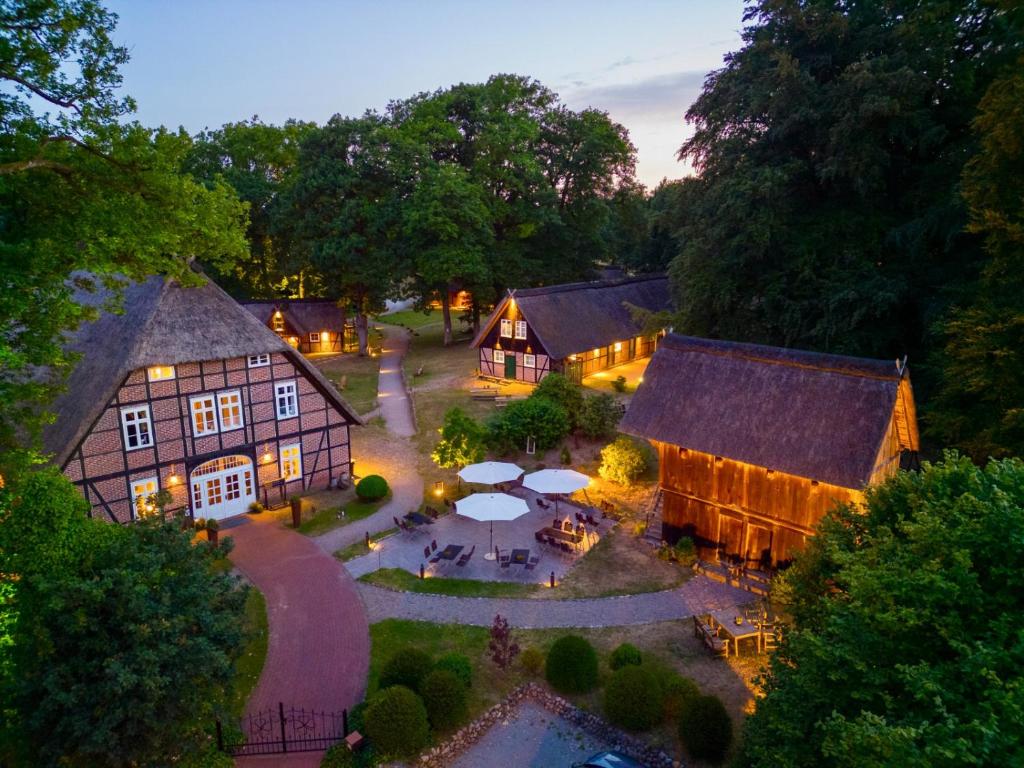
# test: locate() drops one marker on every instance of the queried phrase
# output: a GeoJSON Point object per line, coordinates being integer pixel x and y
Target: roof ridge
{"type": "Point", "coordinates": [586, 284]}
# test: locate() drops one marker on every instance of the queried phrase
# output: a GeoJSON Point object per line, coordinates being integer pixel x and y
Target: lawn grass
{"type": "Point", "coordinates": [412, 318]}
{"type": "Point", "coordinates": [403, 581]}
{"type": "Point", "coordinates": [327, 519]}
{"type": "Point", "coordinates": [249, 664]}
{"type": "Point", "coordinates": [355, 377]}
{"type": "Point", "coordinates": [359, 548]}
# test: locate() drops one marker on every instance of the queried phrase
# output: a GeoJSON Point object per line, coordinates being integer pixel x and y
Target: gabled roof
{"type": "Point", "coordinates": [577, 317]}
{"type": "Point", "coordinates": [304, 315]}
{"type": "Point", "coordinates": [804, 413]}
{"type": "Point", "coordinates": [163, 323]}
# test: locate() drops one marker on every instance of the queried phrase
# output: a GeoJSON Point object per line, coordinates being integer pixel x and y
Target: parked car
{"type": "Point", "coordinates": [608, 759]}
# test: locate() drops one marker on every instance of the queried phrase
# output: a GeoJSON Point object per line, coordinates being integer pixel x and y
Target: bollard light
{"type": "Point", "coordinates": [552, 579]}
{"type": "Point", "coordinates": [421, 571]}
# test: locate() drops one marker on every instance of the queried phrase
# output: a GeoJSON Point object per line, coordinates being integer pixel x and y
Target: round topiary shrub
{"type": "Point", "coordinates": [705, 729]}
{"type": "Point", "coordinates": [396, 722]}
{"type": "Point", "coordinates": [445, 697]}
{"type": "Point", "coordinates": [338, 756]}
{"type": "Point", "coordinates": [458, 664]}
{"type": "Point", "coordinates": [407, 667]}
{"type": "Point", "coordinates": [532, 660]}
{"type": "Point", "coordinates": [371, 488]}
{"type": "Point", "coordinates": [571, 665]}
{"type": "Point", "coordinates": [678, 691]}
{"type": "Point", "coordinates": [633, 698]}
{"type": "Point", "coordinates": [625, 654]}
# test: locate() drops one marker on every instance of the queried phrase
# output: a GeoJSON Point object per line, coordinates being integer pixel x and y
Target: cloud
{"type": "Point", "coordinates": [660, 96]}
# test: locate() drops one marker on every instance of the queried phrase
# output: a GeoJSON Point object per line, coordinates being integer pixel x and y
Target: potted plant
{"type": "Point", "coordinates": [199, 524]}
{"type": "Point", "coordinates": [255, 508]}
{"type": "Point", "coordinates": [212, 529]}
{"type": "Point", "coordinates": [296, 502]}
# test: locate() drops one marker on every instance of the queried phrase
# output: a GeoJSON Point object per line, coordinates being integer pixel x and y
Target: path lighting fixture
{"type": "Point", "coordinates": [439, 488]}
{"type": "Point", "coordinates": [552, 579]}
{"type": "Point", "coordinates": [421, 571]}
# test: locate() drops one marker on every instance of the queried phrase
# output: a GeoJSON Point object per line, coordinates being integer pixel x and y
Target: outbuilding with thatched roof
{"type": "Point", "coordinates": [187, 392]}
{"type": "Point", "coordinates": [308, 325]}
{"type": "Point", "coordinates": [757, 443]}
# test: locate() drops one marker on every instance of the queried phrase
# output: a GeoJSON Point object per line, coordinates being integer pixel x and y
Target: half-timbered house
{"type": "Point", "coordinates": [308, 325]}
{"type": "Point", "coordinates": [187, 392]}
{"type": "Point", "coordinates": [756, 443]}
{"type": "Point", "coordinates": [576, 329]}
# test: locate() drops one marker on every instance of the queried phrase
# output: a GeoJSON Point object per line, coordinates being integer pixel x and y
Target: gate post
{"type": "Point", "coordinates": [284, 738]}
{"type": "Point", "coordinates": [344, 723]}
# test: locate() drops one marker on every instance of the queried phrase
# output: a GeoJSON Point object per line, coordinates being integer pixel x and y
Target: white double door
{"type": "Point", "coordinates": [223, 487]}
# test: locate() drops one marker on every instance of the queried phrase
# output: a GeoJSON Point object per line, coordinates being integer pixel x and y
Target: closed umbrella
{"type": "Point", "coordinates": [556, 481]}
{"type": "Point", "coordinates": [488, 507]}
{"type": "Point", "coordinates": [490, 472]}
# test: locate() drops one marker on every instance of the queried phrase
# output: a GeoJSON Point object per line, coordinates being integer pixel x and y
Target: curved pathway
{"type": "Point", "coordinates": [698, 595]}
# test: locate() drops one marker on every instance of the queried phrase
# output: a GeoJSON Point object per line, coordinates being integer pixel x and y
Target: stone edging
{"type": "Point", "coordinates": [467, 736]}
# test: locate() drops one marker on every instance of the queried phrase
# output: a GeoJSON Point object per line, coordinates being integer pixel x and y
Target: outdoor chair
{"type": "Point", "coordinates": [579, 517]}
{"type": "Point", "coordinates": [556, 523]}
{"type": "Point", "coordinates": [465, 558]}
{"type": "Point", "coordinates": [436, 558]}
{"type": "Point", "coordinates": [426, 552]}
{"type": "Point", "coordinates": [504, 559]}
{"type": "Point", "coordinates": [567, 526]}
{"type": "Point", "coordinates": [397, 524]}
{"type": "Point", "coordinates": [532, 563]}
{"type": "Point", "coordinates": [770, 639]}
{"type": "Point", "coordinates": [590, 519]}
{"type": "Point", "coordinates": [539, 537]}
{"type": "Point", "coordinates": [564, 546]}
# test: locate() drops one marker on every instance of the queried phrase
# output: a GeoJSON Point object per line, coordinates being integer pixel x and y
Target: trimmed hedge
{"type": "Point", "coordinates": [678, 692]}
{"type": "Point", "coordinates": [445, 698]}
{"type": "Point", "coordinates": [532, 660]}
{"type": "Point", "coordinates": [625, 654]}
{"type": "Point", "coordinates": [396, 722]}
{"type": "Point", "coordinates": [460, 665]}
{"type": "Point", "coordinates": [633, 698]}
{"type": "Point", "coordinates": [407, 667]}
{"type": "Point", "coordinates": [705, 729]}
{"type": "Point", "coordinates": [372, 487]}
{"type": "Point", "coordinates": [338, 756]}
{"type": "Point", "coordinates": [571, 665]}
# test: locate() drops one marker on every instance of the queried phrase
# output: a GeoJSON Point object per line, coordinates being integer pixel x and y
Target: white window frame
{"type": "Point", "coordinates": [506, 328]}
{"type": "Point", "coordinates": [210, 412]}
{"type": "Point", "coordinates": [277, 322]}
{"type": "Point", "coordinates": [520, 329]}
{"type": "Point", "coordinates": [498, 355]}
{"type": "Point", "coordinates": [229, 425]}
{"type": "Point", "coordinates": [139, 499]}
{"type": "Point", "coordinates": [142, 416]}
{"type": "Point", "coordinates": [314, 337]}
{"type": "Point", "coordinates": [289, 463]}
{"type": "Point", "coordinates": [156, 373]}
{"type": "Point", "coordinates": [529, 361]}
{"type": "Point", "coordinates": [258, 361]}
{"type": "Point", "coordinates": [284, 389]}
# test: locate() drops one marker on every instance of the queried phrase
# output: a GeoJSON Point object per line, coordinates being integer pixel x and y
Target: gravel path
{"type": "Point", "coordinates": [698, 595]}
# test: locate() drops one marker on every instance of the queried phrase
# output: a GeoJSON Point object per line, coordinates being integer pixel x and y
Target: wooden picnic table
{"type": "Point", "coordinates": [726, 622]}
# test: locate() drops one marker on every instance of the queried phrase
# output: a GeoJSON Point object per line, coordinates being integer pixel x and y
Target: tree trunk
{"type": "Point", "coordinates": [446, 310]}
{"type": "Point", "coordinates": [475, 315]}
{"type": "Point", "coordinates": [362, 331]}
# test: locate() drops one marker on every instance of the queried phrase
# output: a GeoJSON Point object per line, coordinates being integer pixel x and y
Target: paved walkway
{"type": "Point", "coordinates": [391, 393]}
{"type": "Point", "coordinates": [698, 595]}
{"type": "Point", "coordinates": [319, 650]}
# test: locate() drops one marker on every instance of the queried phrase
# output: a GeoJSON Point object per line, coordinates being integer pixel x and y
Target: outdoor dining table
{"type": "Point", "coordinates": [726, 621]}
{"type": "Point", "coordinates": [560, 535]}
{"type": "Point", "coordinates": [450, 552]}
{"type": "Point", "coordinates": [419, 518]}
{"type": "Point", "coordinates": [520, 556]}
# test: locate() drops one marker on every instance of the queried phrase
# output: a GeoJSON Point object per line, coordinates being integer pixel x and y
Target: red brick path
{"type": "Point", "coordinates": [319, 649]}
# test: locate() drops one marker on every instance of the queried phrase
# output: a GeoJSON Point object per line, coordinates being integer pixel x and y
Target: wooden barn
{"type": "Point", "coordinates": [576, 329]}
{"type": "Point", "coordinates": [187, 392]}
{"type": "Point", "coordinates": [757, 443]}
{"type": "Point", "coordinates": [308, 325]}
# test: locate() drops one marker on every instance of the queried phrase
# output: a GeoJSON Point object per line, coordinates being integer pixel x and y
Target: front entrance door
{"type": "Point", "coordinates": [510, 365]}
{"type": "Point", "coordinates": [223, 487]}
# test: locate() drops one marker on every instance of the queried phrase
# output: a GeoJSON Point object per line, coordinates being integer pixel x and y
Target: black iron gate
{"type": "Point", "coordinates": [273, 731]}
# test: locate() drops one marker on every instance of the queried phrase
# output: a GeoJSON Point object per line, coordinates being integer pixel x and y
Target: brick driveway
{"type": "Point", "coordinates": [319, 649]}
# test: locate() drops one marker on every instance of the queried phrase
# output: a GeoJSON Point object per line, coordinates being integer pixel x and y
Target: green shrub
{"type": "Point", "coordinates": [407, 667]}
{"type": "Point", "coordinates": [338, 756]}
{"type": "Point", "coordinates": [372, 487]}
{"type": "Point", "coordinates": [357, 717]}
{"type": "Point", "coordinates": [459, 664]}
{"type": "Point", "coordinates": [599, 416]}
{"type": "Point", "coordinates": [622, 461]}
{"type": "Point", "coordinates": [571, 665]}
{"type": "Point", "coordinates": [255, 508]}
{"type": "Point", "coordinates": [678, 692]}
{"type": "Point", "coordinates": [705, 729]}
{"type": "Point", "coordinates": [633, 698]}
{"type": "Point", "coordinates": [536, 417]}
{"type": "Point", "coordinates": [685, 551]}
{"type": "Point", "coordinates": [396, 722]}
{"type": "Point", "coordinates": [560, 390]}
{"type": "Point", "coordinates": [625, 654]}
{"type": "Point", "coordinates": [445, 698]}
{"type": "Point", "coordinates": [619, 384]}
{"type": "Point", "coordinates": [462, 440]}
{"type": "Point", "coordinates": [532, 660]}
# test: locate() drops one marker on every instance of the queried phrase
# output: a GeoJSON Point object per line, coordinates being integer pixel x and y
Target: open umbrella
{"type": "Point", "coordinates": [556, 481]}
{"type": "Point", "coordinates": [490, 472]}
{"type": "Point", "coordinates": [488, 507]}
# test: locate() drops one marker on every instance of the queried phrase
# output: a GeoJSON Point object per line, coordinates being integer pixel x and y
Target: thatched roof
{"type": "Point", "coordinates": [808, 414]}
{"type": "Point", "coordinates": [163, 323]}
{"type": "Point", "coordinates": [577, 317]}
{"type": "Point", "coordinates": [304, 315]}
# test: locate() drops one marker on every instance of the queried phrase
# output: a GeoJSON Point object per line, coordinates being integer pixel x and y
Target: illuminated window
{"type": "Point", "coordinates": [506, 329]}
{"type": "Point", "coordinates": [291, 461]}
{"type": "Point", "coordinates": [278, 322]}
{"type": "Point", "coordinates": [229, 406]}
{"type": "Point", "coordinates": [520, 329]}
{"type": "Point", "coordinates": [499, 356]}
{"type": "Point", "coordinates": [137, 427]}
{"type": "Point", "coordinates": [204, 415]}
{"type": "Point", "coordinates": [286, 399]}
{"type": "Point", "coordinates": [257, 361]}
{"type": "Point", "coordinates": [314, 338]}
{"type": "Point", "coordinates": [530, 361]}
{"type": "Point", "coordinates": [325, 335]}
{"type": "Point", "coordinates": [618, 346]}
{"type": "Point", "coordinates": [160, 372]}
{"type": "Point", "coordinates": [141, 491]}
{"type": "Point", "coordinates": [597, 353]}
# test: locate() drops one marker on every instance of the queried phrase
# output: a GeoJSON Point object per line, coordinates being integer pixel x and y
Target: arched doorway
{"type": "Point", "coordinates": [223, 487]}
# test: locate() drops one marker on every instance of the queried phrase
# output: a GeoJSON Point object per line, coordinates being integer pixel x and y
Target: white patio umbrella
{"type": "Point", "coordinates": [556, 481]}
{"type": "Point", "coordinates": [490, 472]}
{"type": "Point", "coordinates": [488, 507]}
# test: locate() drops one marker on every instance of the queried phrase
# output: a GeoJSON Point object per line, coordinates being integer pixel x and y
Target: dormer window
{"type": "Point", "coordinates": [278, 321]}
{"type": "Point", "coordinates": [160, 372]}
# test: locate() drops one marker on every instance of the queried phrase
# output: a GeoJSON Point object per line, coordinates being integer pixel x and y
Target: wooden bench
{"type": "Point", "coordinates": [709, 636]}
{"type": "Point", "coordinates": [484, 393]}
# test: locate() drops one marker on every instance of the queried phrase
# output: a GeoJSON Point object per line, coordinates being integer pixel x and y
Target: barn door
{"type": "Point", "coordinates": [574, 371]}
